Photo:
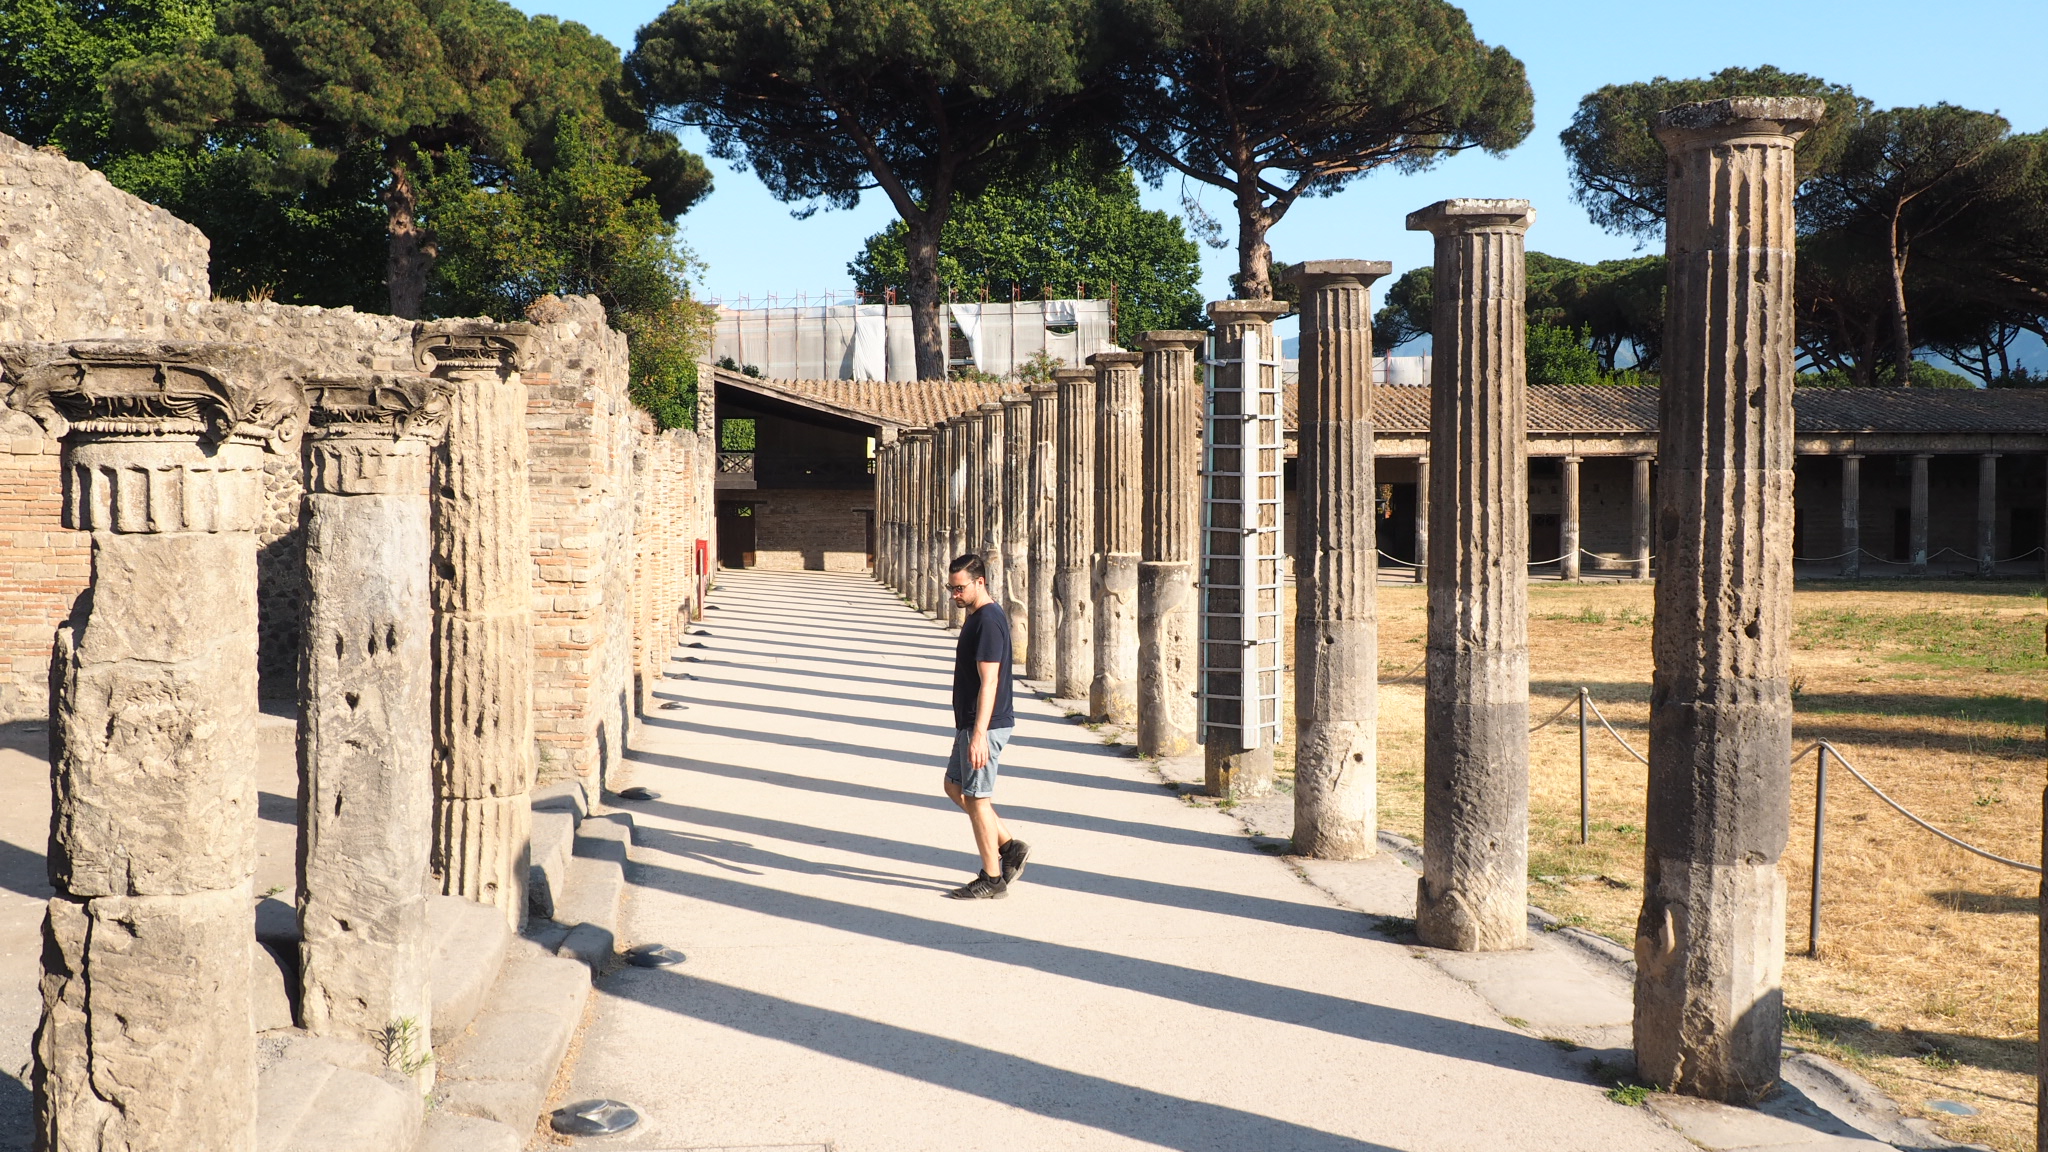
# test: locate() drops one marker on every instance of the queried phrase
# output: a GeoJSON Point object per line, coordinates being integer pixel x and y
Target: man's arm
{"type": "Point", "coordinates": [984, 709]}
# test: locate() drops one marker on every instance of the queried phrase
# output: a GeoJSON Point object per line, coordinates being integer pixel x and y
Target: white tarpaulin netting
{"type": "Point", "coordinates": [874, 341]}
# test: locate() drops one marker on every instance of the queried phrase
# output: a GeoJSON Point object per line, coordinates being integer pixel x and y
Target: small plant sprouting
{"type": "Point", "coordinates": [1628, 1095]}
{"type": "Point", "coordinates": [1561, 1044]}
{"type": "Point", "coordinates": [1514, 1022]}
{"type": "Point", "coordinates": [273, 890]}
{"type": "Point", "coordinates": [403, 1049]}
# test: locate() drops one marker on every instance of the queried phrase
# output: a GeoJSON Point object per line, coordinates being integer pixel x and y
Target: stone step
{"type": "Point", "coordinates": [468, 943]}
{"type": "Point", "coordinates": [454, 1132]}
{"type": "Point", "coordinates": [323, 1095]}
{"type": "Point", "coordinates": [502, 1068]}
{"type": "Point", "coordinates": [557, 809]}
{"type": "Point", "coordinates": [594, 895]}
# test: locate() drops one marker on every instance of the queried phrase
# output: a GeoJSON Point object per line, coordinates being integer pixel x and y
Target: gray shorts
{"type": "Point", "coordinates": [979, 783]}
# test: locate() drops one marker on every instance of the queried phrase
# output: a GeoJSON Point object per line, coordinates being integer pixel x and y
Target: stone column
{"type": "Point", "coordinates": [1710, 944]}
{"type": "Point", "coordinates": [1074, 518]}
{"type": "Point", "coordinates": [1017, 523]}
{"type": "Point", "coordinates": [146, 1040]}
{"type": "Point", "coordinates": [1042, 503]}
{"type": "Point", "coordinates": [1119, 529]}
{"type": "Point", "coordinates": [973, 510]}
{"type": "Point", "coordinates": [888, 515]}
{"type": "Point", "coordinates": [483, 616]}
{"type": "Point", "coordinates": [1336, 567]}
{"type": "Point", "coordinates": [366, 732]}
{"type": "Point", "coordinates": [1421, 519]}
{"type": "Point", "coordinates": [1474, 891]}
{"type": "Point", "coordinates": [917, 444]}
{"type": "Point", "coordinates": [1568, 520]}
{"type": "Point", "coordinates": [959, 441]}
{"type": "Point", "coordinates": [1987, 513]}
{"type": "Point", "coordinates": [1916, 525]}
{"type": "Point", "coordinates": [1169, 625]}
{"type": "Point", "coordinates": [990, 500]}
{"type": "Point", "coordinates": [1238, 763]}
{"type": "Point", "coordinates": [1852, 516]}
{"type": "Point", "coordinates": [1639, 519]}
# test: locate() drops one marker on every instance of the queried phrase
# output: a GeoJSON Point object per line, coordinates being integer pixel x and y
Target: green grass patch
{"type": "Point", "coordinates": [1982, 640]}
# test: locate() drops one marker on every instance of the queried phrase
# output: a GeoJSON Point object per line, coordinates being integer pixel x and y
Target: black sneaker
{"type": "Point", "coordinates": [1014, 854]}
{"type": "Point", "coordinates": [982, 887]}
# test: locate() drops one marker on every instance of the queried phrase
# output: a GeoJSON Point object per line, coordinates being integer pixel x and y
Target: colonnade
{"type": "Point", "coordinates": [1710, 946]}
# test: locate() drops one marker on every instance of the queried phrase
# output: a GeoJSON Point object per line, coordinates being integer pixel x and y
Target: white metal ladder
{"type": "Point", "coordinates": [1242, 566]}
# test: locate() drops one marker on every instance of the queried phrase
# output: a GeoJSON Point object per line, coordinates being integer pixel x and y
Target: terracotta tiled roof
{"type": "Point", "coordinates": [1566, 408]}
{"type": "Point", "coordinates": [904, 404]}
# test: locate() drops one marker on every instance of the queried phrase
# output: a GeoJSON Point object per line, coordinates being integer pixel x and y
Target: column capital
{"type": "Point", "coordinates": [915, 433]}
{"type": "Point", "coordinates": [1989, 455]}
{"type": "Point", "coordinates": [1450, 217]}
{"type": "Point", "coordinates": [1116, 359]}
{"type": "Point", "coordinates": [1314, 274]}
{"type": "Point", "coordinates": [458, 345]}
{"type": "Point", "coordinates": [1849, 455]}
{"type": "Point", "coordinates": [1044, 388]}
{"type": "Point", "coordinates": [1172, 339]}
{"type": "Point", "coordinates": [377, 406]}
{"type": "Point", "coordinates": [988, 408]}
{"type": "Point", "coordinates": [1016, 400]}
{"type": "Point", "coordinates": [213, 393]}
{"type": "Point", "coordinates": [1072, 376]}
{"type": "Point", "coordinates": [1248, 311]}
{"type": "Point", "coordinates": [1921, 455]}
{"type": "Point", "coordinates": [1761, 119]}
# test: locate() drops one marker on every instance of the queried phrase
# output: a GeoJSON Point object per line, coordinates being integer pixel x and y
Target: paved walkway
{"type": "Point", "coordinates": [1153, 982]}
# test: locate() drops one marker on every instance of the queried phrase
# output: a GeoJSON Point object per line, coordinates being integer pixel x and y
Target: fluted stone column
{"type": "Point", "coordinates": [917, 444]}
{"type": "Point", "coordinates": [1916, 516]}
{"type": "Point", "coordinates": [1119, 530]}
{"type": "Point", "coordinates": [959, 457]}
{"type": "Point", "coordinates": [1639, 518]}
{"type": "Point", "coordinates": [1042, 503]}
{"type": "Point", "coordinates": [146, 1039]}
{"type": "Point", "coordinates": [1473, 893]}
{"type": "Point", "coordinates": [483, 616]}
{"type": "Point", "coordinates": [1336, 566]}
{"type": "Point", "coordinates": [1017, 523]}
{"type": "Point", "coordinates": [1421, 519]}
{"type": "Point", "coordinates": [1568, 520]}
{"type": "Point", "coordinates": [1710, 944]}
{"type": "Point", "coordinates": [1074, 477]}
{"type": "Point", "coordinates": [973, 510]}
{"type": "Point", "coordinates": [990, 500]}
{"type": "Point", "coordinates": [1852, 516]}
{"type": "Point", "coordinates": [1238, 764]}
{"type": "Point", "coordinates": [1169, 620]}
{"type": "Point", "coordinates": [366, 732]}
{"type": "Point", "coordinates": [886, 479]}
{"type": "Point", "coordinates": [1987, 513]}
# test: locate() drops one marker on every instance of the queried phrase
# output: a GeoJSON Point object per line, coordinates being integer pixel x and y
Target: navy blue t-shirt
{"type": "Point", "coordinates": [984, 637]}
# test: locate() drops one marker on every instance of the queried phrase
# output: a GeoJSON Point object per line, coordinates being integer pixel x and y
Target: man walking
{"type": "Point", "coordinates": [983, 721]}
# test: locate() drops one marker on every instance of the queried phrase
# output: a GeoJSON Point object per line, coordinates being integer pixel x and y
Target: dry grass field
{"type": "Point", "coordinates": [1926, 977]}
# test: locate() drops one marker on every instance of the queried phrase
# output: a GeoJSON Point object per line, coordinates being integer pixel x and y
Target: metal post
{"type": "Point", "coordinates": [1820, 815]}
{"type": "Point", "coordinates": [1585, 803]}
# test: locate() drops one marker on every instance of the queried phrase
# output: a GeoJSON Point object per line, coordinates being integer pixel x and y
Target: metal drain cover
{"type": "Point", "coordinates": [1951, 1107]}
{"type": "Point", "coordinates": [593, 1118]}
{"type": "Point", "coordinates": [638, 792]}
{"type": "Point", "coordinates": [653, 956]}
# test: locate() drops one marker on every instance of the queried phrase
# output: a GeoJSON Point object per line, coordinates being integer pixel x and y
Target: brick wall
{"type": "Point", "coordinates": [810, 529]}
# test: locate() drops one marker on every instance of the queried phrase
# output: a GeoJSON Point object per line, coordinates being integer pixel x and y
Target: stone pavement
{"type": "Point", "coordinates": [1155, 980]}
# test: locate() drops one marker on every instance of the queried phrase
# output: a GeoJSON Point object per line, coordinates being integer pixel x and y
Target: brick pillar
{"type": "Point", "coordinates": [1710, 944]}
{"type": "Point", "coordinates": [146, 1040]}
{"type": "Point", "coordinates": [1119, 526]}
{"type": "Point", "coordinates": [483, 616]}
{"type": "Point", "coordinates": [1237, 763]}
{"type": "Point", "coordinates": [1987, 513]}
{"type": "Point", "coordinates": [1852, 516]}
{"type": "Point", "coordinates": [1568, 520]}
{"type": "Point", "coordinates": [1169, 627]}
{"type": "Point", "coordinates": [1017, 523]}
{"type": "Point", "coordinates": [1336, 567]}
{"type": "Point", "coordinates": [1042, 504]}
{"type": "Point", "coordinates": [1473, 893]}
{"type": "Point", "coordinates": [1074, 522]}
{"type": "Point", "coordinates": [1421, 519]}
{"type": "Point", "coordinates": [366, 732]}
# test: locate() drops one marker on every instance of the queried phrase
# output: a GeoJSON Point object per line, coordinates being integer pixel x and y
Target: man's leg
{"type": "Point", "coordinates": [989, 835]}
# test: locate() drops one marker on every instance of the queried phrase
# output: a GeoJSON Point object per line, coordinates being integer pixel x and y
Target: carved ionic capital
{"type": "Point", "coordinates": [372, 434]}
{"type": "Point", "coordinates": [212, 393]}
{"type": "Point", "coordinates": [472, 345]}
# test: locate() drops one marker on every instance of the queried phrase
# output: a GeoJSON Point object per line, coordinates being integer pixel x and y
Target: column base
{"type": "Point", "coordinates": [1336, 791]}
{"type": "Point", "coordinates": [1231, 772]}
{"type": "Point", "coordinates": [483, 850]}
{"type": "Point", "coordinates": [1710, 957]}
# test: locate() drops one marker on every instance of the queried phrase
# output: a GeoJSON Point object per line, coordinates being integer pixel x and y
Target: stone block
{"type": "Point", "coordinates": [446, 1131]}
{"type": "Point", "coordinates": [307, 1106]}
{"type": "Point", "coordinates": [469, 941]}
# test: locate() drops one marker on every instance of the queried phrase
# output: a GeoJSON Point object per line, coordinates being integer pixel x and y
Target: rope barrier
{"type": "Point", "coordinates": [1602, 717]}
{"type": "Point", "coordinates": [1560, 712]}
{"type": "Point", "coordinates": [1902, 810]}
{"type": "Point", "coordinates": [1409, 673]}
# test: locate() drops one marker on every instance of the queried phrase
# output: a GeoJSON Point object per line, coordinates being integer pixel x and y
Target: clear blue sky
{"type": "Point", "coordinates": [1984, 54]}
